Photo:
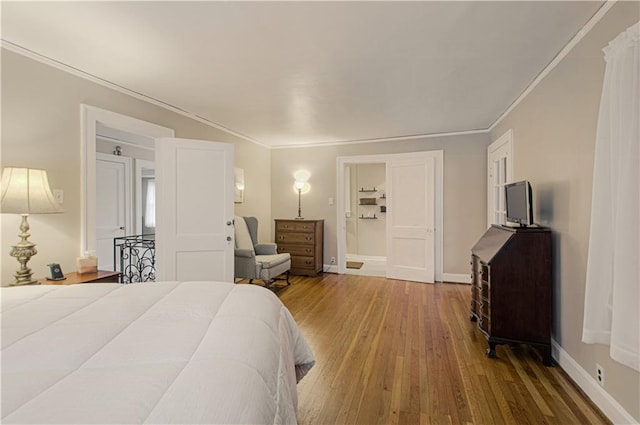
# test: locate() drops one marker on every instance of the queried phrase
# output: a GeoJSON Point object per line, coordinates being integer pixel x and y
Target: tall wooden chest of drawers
{"type": "Point", "coordinates": [304, 240]}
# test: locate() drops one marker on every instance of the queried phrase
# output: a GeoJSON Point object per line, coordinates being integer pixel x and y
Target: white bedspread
{"type": "Point", "coordinates": [164, 352]}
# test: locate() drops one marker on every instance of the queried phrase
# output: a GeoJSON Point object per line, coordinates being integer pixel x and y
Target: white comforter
{"type": "Point", "coordinates": [164, 352]}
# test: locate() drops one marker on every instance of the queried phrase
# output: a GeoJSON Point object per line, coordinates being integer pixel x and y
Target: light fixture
{"type": "Point", "coordinates": [26, 191]}
{"type": "Point", "coordinates": [301, 185]}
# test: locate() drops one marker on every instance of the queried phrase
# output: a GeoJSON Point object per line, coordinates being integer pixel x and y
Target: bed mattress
{"type": "Point", "coordinates": [162, 352]}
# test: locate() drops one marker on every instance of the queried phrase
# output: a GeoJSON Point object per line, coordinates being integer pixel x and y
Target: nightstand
{"type": "Point", "coordinates": [101, 276]}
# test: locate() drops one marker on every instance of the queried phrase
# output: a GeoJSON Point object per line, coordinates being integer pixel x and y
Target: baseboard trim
{"type": "Point", "coordinates": [329, 268]}
{"type": "Point", "coordinates": [607, 404]}
{"type": "Point", "coordinates": [456, 277]}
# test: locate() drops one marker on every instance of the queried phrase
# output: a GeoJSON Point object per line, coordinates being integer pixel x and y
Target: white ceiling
{"type": "Point", "coordinates": [290, 73]}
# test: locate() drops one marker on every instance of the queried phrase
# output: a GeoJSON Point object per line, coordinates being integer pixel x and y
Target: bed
{"type": "Point", "coordinates": [163, 352]}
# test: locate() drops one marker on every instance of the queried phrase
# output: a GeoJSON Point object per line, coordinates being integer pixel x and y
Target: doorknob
{"type": "Point", "coordinates": [229, 223]}
{"type": "Point", "coordinates": [121, 227]}
{"type": "Point", "coordinates": [228, 238]}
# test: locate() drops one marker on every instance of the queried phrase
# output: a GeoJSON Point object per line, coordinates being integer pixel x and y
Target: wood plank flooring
{"type": "Point", "coordinates": [396, 352]}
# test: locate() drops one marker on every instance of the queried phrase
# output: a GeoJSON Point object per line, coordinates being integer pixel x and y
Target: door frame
{"type": "Point", "coordinates": [504, 146]}
{"type": "Point", "coordinates": [342, 161]}
{"type": "Point", "coordinates": [90, 116]}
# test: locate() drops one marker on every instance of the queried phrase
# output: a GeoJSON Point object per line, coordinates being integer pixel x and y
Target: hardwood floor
{"type": "Point", "coordinates": [396, 352]}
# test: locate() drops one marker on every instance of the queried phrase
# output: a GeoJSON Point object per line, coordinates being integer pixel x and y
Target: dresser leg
{"type": "Point", "coordinates": [491, 351]}
{"type": "Point", "coordinates": [547, 359]}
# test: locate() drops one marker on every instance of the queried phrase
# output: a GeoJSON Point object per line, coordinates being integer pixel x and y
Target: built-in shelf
{"type": "Point", "coordinates": [368, 218]}
{"type": "Point", "coordinates": [368, 190]}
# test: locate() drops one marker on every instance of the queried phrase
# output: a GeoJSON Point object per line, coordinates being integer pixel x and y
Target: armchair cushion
{"type": "Point", "coordinates": [270, 261]}
{"type": "Point", "coordinates": [266, 249]}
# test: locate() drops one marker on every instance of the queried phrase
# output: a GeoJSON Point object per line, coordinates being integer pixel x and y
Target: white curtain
{"type": "Point", "coordinates": [150, 210]}
{"type": "Point", "coordinates": [612, 297]}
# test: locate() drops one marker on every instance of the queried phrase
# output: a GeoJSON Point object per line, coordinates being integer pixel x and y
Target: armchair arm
{"type": "Point", "coordinates": [245, 253]}
{"type": "Point", "coordinates": [266, 249]}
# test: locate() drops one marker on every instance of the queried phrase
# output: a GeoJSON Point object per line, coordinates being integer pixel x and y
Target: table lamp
{"type": "Point", "coordinates": [25, 191]}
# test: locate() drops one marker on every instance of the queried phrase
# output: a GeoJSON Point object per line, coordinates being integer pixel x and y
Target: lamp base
{"type": "Point", "coordinates": [25, 282]}
{"type": "Point", "coordinates": [23, 251]}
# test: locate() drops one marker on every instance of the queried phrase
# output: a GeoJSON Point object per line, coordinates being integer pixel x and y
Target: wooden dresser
{"type": "Point", "coordinates": [304, 240]}
{"type": "Point", "coordinates": [511, 287]}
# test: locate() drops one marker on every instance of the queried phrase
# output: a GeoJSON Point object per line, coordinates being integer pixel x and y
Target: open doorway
{"type": "Point", "coordinates": [116, 139]}
{"type": "Point", "coordinates": [413, 198]}
{"type": "Point", "coordinates": [365, 219]}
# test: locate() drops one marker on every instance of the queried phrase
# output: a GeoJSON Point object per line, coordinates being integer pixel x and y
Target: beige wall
{"type": "Point", "coordinates": [41, 129]}
{"type": "Point", "coordinates": [465, 201]}
{"type": "Point", "coordinates": [554, 138]}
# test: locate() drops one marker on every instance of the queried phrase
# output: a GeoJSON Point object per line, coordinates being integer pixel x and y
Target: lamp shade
{"type": "Point", "coordinates": [26, 191]}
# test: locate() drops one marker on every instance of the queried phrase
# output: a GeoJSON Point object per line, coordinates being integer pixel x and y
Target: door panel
{"type": "Point", "coordinates": [113, 205]}
{"type": "Point", "coordinates": [194, 191]}
{"type": "Point", "coordinates": [411, 219]}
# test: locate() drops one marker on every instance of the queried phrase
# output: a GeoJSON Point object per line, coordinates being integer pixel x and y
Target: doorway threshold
{"type": "Point", "coordinates": [370, 266]}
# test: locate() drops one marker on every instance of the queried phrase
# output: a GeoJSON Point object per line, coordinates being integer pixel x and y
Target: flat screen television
{"type": "Point", "coordinates": [519, 203]}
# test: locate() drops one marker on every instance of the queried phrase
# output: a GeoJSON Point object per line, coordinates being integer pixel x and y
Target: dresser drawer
{"type": "Point", "coordinates": [292, 226]}
{"type": "Point", "coordinates": [300, 263]}
{"type": "Point", "coordinates": [297, 250]}
{"type": "Point", "coordinates": [296, 238]}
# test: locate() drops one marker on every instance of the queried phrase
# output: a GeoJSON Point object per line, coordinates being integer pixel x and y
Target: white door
{"type": "Point", "coordinates": [113, 205]}
{"type": "Point", "coordinates": [499, 173]}
{"type": "Point", "coordinates": [411, 219]}
{"type": "Point", "coordinates": [194, 210]}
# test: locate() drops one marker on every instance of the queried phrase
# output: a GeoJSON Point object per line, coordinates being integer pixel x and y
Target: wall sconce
{"type": "Point", "coordinates": [238, 196]}
{"type": "Point", "coordinates": [26, 191]}
{"type": "Point", "coordinates": [301, 177]}
{"type": "Point", "coordinates": [299, 185]}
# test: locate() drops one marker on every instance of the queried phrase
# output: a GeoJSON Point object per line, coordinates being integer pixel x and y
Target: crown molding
{"type": "Point", "coordinates": [557, 59]}
{"type": "Point", "coordinates": [383, 139]}
{"type": "Point", "coordinates": [15, 48]}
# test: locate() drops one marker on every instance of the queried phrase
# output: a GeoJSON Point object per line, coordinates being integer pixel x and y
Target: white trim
{"type": "Point", "coordinates": [377, 140]}
{"type": "Point", "coordinates": [557, 59]}
{"type": "Point", "coordinates": [456, 278]}
{"type": "Point", "coordinates": [329, 268]}
{"type": "Point", "coordinates": [587, 383]}
{"type": "Point", "coordinates": [89, 118]}
{"type": "Point", "coordinates": [82, 74]}
{"type": "Point", "coordinates": [383, 158]}
{"type": "Point", "coordinates": [506, 140]}
{"type": "Point", "coordinates": [122, 142]}
{"type": "Point", "coordinates": [15, 48]}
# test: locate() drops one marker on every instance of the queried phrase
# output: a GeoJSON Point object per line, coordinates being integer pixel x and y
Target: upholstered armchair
{"type": "Point", "coordinates": [255, 260]}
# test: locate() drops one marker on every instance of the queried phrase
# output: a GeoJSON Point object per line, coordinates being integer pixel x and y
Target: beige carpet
{"type": "Point", "coordinates": [354, 264]}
